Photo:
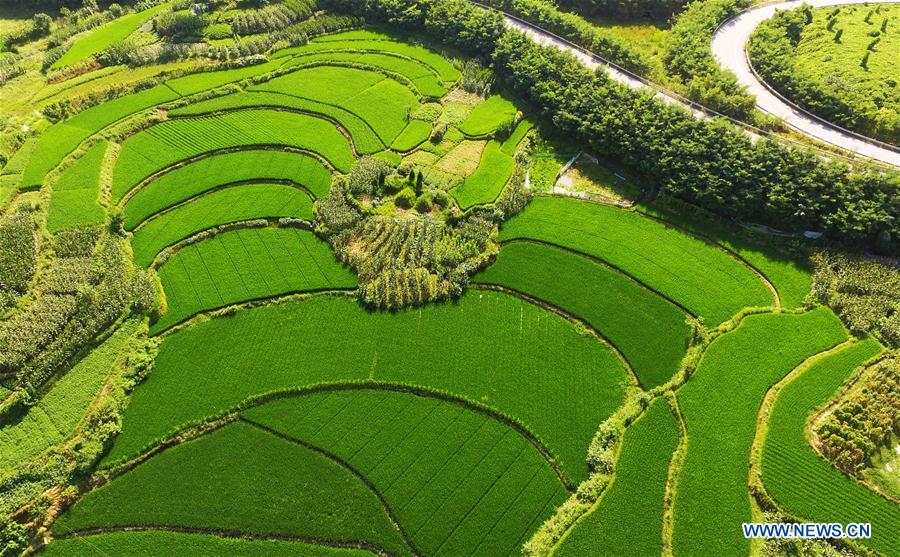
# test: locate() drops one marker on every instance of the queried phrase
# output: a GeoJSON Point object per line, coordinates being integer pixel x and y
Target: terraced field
{"type": "Point", "coordinates": [636, 496]}
{"type": "Point", "coordinates": [719, 405]}
{"type": "Point", "coordinates": [820, 491]}
{"type": "Point", "coordinates": [242, 265]}
{"type": "Point", "coordinates": [223, 206]}
{"type": "Point", "coordinates": [291, 294]}
{"type": "Point", "coordinates": [651, 333]}
{"type": "Point", "coordinates": [704, 280]}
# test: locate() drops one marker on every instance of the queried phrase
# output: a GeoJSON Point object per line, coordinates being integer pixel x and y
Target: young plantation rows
{"type": "Point", "coordinates": [351, 329]}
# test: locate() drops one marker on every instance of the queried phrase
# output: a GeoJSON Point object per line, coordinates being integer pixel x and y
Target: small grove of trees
{"type": "Point", "coordinates": [271, 18]}
{"type": "Point", "coordinates": [689, 58]}
{"type": "Point", "coordinates": [626, 9]}
{"type": "Point", "coordinates": [402, 261]}
{"type": "Point", "coordinates": [772, 48]}
{"type": "Point", "coordinates": [864, 293]}
{"type": "Point", "coordinates": [709, 163]}
{"type": "Point", "coordinates": [865, 420]}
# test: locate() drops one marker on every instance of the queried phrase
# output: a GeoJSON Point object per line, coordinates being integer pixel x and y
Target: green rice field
{"type": "Point", "coordinates": [696, 275]}
{"type": "Point", "coordinates": [719, 405]}
{"type": "Point", "coordinates": [223, 206]}
{"type": "Point", "coordinates": [212, 350]}
{"type": "Point", "coordinates": [636, 496]}
{"type": "Point", "coordinates": [820, 491]}
{"type": "Point", "coordinates": [174, 141]}
{"type": "Point", "coordinates": [459, 482]}
{"type": "Point", "coordinates": [243, 265]}
{"type": "Point", "coordinates": [281, 279]}
{"type": "Point", "coordinates": [651, 333]}
{"type": "Point", "coordinates": [215, 483]}
{"type": "Point", "coordinates": [203, 175]}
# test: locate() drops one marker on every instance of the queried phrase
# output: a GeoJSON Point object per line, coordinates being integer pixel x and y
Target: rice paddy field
{"type": "Point", "coordinates": [320, 299]}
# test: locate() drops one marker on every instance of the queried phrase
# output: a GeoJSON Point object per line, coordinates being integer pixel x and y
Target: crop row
{"type": "Point", "coordinates": [801, 481]}
{"type": "Point", "coordinates": [422, 78]}
{"type": "Point", "coordinates": [74, 199]}
{"type": "Point", "coordinates": [719, 404]}
{"type": "Point", "coordinates": [489, 347]}
{"type": "Point", "coordinates": [55, 417]}
{"type": "Point", "coordinates": [378, 42]}
{"type": "Point", "coordinates": [200, 176]}
{"type": "Point", "coordinates": [365, 140]}
{"type": "Point", "coordinates": [628, 519]}
{"type": "Point", "coordinates": [486, 117]}
{"type": "Point", "coordinates": [380, 101]}
{"type": "Point", "coordinates": [700, 277]}
{"type": "Point", "coordinates": [242, 479]}
{"type": "Point", "coordinates": [172, 141]}
{"type": "Point", "coordinates": [243, 265]}
{"type": "Point", "coordinates": [651, 333]}
{"type": "Point", "coordinates": [231, 204]}
{"type": "Point", "coordinates": [161, 543]}
{"type": "Point", "coordinates": [459, 482]}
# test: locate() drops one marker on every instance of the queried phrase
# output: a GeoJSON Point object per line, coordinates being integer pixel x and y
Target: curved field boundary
{"type": "Point", "coordinates": [220, 207]}
{"type": "Point", "coordinates": [384, 102]}
{"type": "Point", "coordinates": [448, 473]}
{"type": "Point", "coordinates": [447, 72]}
{"type": "Point", "coordinates": [719, 404]}
{"type": "Point", "coordinates": [800, 481]}
{"type": "Point", "coordinates": [632, 497]}
{"type": "Point", "coordinates": [246, 264]}
{"type": "Point", "coordinates": [343, 464]}
{"type": "Point", "coordinates": [425, 86]}
{"type": "Point", "coordinates": [729, 47]}
{"type": "Point", "coordinates": [167, 143]}
{"type": "Point", "coordinates": [487, 182]}
{"type": "Point", "coordinates": [220, 187]}
{"type": "Point", "coordinates": [124, 199]}
{"type": "Point", "coordinates": [220, 480]}
{"type": "Point", "coordinates": [703, 277]}
{"type": "Point", "coordinates": [365, 138]}
{"type": "Point", "coordinates": [281, 108]}
{"type": "Point", "coordinates": [326, 321]}
{"type": "Point", "coordinates": [634, 81]}
{"type": "Point", "coordinates": [576, 320]}
{"type": "Point", "coordinates": [607, 264]}
{"type": "Point", "coordinates": [651, 334]}
{"type": "Point", "coordinates": [233, 535]}
{"type": "Point", "coordinates": [196, 429]}
{"type": "Point", "coordinates": [736, 256]}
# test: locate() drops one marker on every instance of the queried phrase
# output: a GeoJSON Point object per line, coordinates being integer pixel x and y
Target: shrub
{"type": "Point", "coordinates": [405, 198]}
{"type": "Point", "coordinates": [368, 176]}
{"type": "Point", "coordinates": [424, 203]}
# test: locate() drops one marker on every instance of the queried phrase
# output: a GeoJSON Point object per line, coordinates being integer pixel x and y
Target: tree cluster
{"type": "Point", "coordinates": [689, 58]}
{"type": "Point", "coordinates": [576, 29]}
{"type": "Point", "coordinates": [863, 292]}
{"type": "Point", "coordinates": [271, 18]}
{"type": "Point", "coordinates": [865, 420]}
{"type": "Point", "coordinates": [626, 9]}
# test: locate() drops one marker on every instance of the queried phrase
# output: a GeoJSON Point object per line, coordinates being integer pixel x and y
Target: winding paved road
{"type": "Point", "coordinates": [726, 40]}
{"type": "Point", "coordinates": [729, 49]}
